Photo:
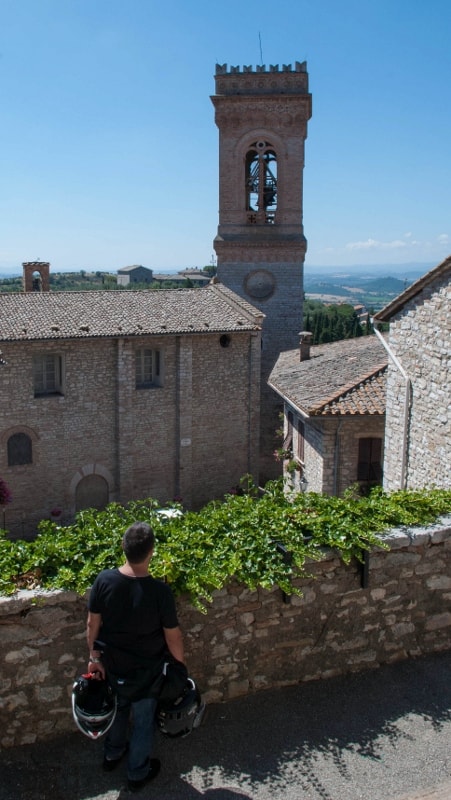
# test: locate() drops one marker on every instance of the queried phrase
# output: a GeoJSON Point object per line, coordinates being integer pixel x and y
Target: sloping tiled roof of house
{"type": "Point", "coordinates": [345, 377]}
{"type": "Point", "coordinates": [443, 271]}
{"type": "Point", "coordinates": [124, 270]}
{"type": "Point", "coordinates": [368, 397]}
{"type": "Point", "coordinates": [68, 315]}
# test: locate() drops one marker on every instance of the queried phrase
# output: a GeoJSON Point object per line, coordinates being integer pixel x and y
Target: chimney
{"type": "Point", "coordinates": [305, 340]}
{"type": "Point", "coordinates": [36, 276]}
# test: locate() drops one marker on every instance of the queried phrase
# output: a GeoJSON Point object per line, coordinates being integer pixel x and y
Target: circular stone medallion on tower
{"type": "Point", "coordinates": [260, 283]}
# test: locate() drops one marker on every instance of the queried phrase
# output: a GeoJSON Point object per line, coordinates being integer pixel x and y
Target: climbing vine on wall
{"type": "Point", "coordinates": [258, 538]}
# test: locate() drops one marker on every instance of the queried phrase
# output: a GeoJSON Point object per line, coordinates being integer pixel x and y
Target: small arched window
{"type": "Point", "coordinates": [261, 183]}
{"type": "Point", "coordinates": [20, 450]}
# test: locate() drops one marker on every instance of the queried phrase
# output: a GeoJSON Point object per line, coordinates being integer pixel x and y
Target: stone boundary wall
{"type": "Point", "coordinates": [348, 619]}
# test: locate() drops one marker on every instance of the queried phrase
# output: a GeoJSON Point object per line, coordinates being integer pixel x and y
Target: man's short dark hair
{"type": "Point", "coordinates": [137, 542]}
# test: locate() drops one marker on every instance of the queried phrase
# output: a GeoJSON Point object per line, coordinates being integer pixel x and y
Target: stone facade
{"type": "Point", "coordinates": [247, 640]}
{"type": "Point", "coordinates": [418, 426]}
{"type": "Point", "coordinates": [331, 451]}
{"type": "Point", "coordinates": [102, 438]}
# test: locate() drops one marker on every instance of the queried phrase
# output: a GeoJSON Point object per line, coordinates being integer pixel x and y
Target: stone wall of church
{"type": "Point", "coordinates": [191, 436]}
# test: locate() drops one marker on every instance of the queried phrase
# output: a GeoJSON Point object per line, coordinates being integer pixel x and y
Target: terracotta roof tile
{"type": "Point", "coordinates": [66, 315]}
{"type": "Point", "coordinates": [368, 397]}
{"type": "Point", "coordinates": [345, 377]}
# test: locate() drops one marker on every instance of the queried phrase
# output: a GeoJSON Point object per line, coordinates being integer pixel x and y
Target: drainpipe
{"type": "Point", "coordinates": [249, 405]}
{"type": "Point", "coordinates": [406, 403]}
{"type": "Point", "coordinates": [337, 455]}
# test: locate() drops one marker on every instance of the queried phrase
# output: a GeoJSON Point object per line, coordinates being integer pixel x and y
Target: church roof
{"type": "Point", "coordinates": [90, 314]}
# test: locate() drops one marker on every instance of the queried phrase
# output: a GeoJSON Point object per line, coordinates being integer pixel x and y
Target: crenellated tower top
{"type": "Point", "coordinates": [284, 80]}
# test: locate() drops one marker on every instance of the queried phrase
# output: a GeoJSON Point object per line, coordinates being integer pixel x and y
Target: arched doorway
{"type": "Point", "coordinates": [91, 492]}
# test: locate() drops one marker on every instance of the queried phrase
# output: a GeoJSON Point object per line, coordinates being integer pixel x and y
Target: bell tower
{"type": "Point", "coordinates": [260, 245]}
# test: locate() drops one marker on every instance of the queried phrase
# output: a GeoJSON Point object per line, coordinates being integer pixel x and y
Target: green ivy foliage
{"type": "Point", "coordinates": [260, 539]}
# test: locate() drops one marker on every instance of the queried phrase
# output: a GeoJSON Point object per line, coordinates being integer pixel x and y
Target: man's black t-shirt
{"type": "Point", "coordinates": [134, 612]}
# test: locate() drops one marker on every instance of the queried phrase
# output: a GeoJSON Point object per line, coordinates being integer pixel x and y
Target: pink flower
{"type": "Point", "coordinates": [5, 494]}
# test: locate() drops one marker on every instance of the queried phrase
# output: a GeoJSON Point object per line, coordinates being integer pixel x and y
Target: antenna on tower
{"type": "Point", "coordinates": [261, 51]}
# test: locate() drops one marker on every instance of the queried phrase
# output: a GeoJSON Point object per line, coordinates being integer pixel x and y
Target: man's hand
{"type": "Point", "coordinates": [96, 668]}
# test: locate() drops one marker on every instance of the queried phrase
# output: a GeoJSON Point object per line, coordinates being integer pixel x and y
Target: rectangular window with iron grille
{"type": "Point", "coordinates": [147, 368]}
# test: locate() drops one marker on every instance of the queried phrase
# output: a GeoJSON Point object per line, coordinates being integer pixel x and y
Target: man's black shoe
{"type": "Point", "coordinates": [135, 786]}
{"type": "Point", "coordinates": [111, 763]}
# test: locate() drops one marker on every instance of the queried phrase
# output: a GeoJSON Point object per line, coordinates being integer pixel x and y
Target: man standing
{"type": "Point", "coordinates": [132, 627]}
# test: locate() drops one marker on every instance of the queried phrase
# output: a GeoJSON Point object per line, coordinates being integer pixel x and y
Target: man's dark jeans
{"type": "Point", "coordinates": [142, 714]}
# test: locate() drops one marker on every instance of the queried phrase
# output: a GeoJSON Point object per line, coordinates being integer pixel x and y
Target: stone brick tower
{"type": "Point", "coordinates": [260, 246]}
{"type": "Point", "coordinates": [36, 276]}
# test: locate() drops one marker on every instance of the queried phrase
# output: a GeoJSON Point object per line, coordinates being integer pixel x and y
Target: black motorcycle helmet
{"type": "Point", "coordinates": [93, 705]}
{"type": "Point", "coordinates": [183, 715]}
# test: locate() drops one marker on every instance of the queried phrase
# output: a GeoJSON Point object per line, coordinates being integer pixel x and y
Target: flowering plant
{"type": "Point", "coordinates": [5, 493]}
{"type": "Point", "coordinates": [281, 454]}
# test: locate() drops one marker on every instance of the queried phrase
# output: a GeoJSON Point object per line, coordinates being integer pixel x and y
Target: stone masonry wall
{"type": "Point", "coordinates": [420, 338]}
{"type": "Point", "coordinates": [248, 640]}
{"type": "Point", "coordinates": [331, 450]}
{"type": "Point", "coordinates": [162, 441]}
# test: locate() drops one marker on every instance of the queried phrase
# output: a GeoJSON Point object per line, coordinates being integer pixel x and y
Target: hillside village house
{"type": "Point", "coordinates": [334, 412]}
{"type": "Point", "coordinates": [418, 420]}
{"type": "Point", "coordinates": [134, 274]}
{"type": "Point", "coordinates": [127, 276]}
{"type": "Point", "coordinates": [113, 396]}
{"type": "Point", "coordinates": [184, 277]}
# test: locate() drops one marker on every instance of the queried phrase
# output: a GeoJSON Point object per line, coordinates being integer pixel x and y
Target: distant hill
{"type": "Point", "coordinates": [394, 285]}
{"type": "Point", "coordinates": [359, 286]}
{"type": "Point", "coordinates": [411, 271]}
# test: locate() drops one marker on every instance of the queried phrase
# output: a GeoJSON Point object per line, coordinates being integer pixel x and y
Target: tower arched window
{"type": "Point", "coordinates": [37, 281]}
{"type": "Point", "coordinates": [261, 183]}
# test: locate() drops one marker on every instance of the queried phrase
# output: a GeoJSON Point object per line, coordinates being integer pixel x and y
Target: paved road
{"type": "Point", "coordinates": [441, 793]}
{"type": "Point", "coordinates": [380, 735]}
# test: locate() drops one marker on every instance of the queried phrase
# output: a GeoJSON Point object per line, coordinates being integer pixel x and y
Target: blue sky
{"type": "Point", "coordinates": [109, 150]}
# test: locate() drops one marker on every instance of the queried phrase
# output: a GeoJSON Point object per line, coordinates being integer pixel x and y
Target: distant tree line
{"type": "Point", "coordinates": [84, 280]}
